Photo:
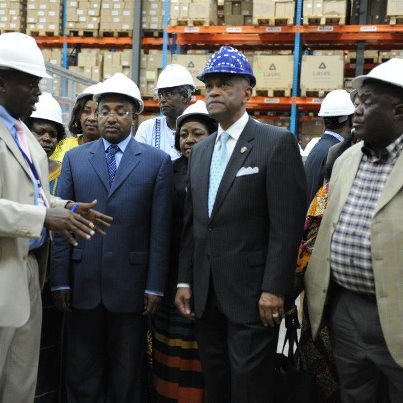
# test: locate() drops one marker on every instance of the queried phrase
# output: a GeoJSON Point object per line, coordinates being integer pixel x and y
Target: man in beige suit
{"type": "Point", "coordinates": [355, 276]}
{"type": "Point", "coordinates": [27, 212]}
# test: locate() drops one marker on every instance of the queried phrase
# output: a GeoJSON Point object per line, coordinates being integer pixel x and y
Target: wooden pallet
{"type": "Point", "coordinates": [273, 21]}
{"type": "Point", "coordinates": [314, 93]}
{"type": "Point", "coordinates": [152, 33]}
{"type": "Point", "coordinates": [116, 34]}
{"type": "Point", "coordinates": [395, 19]}
{"type": "Point", "coordinates": [83, 32]}
{"type": "Point", "coordinates": [325, 20]}
{"type": "Point", "coordinates": [36, 32]}
{"type": "Point", "coordinates": [192, 22]}
{"type": "Point", "coordinates": [273, 92]}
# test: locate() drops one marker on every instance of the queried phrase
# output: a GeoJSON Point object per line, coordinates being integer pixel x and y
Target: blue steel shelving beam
{"type": "Point", "coordinates": [165, 35]}
{"type": "Point", "coordinates": [65, 61]}
{"type": "Point", "coordinates": [296, 72]}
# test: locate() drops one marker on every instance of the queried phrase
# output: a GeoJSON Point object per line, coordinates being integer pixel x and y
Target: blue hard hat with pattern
{"type": "Point", "coordinates": [230, 61]}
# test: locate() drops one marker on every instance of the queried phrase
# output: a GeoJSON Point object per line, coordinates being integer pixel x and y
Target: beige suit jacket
{"type": "Point", "coordinates": [20, 220]}
{"type": "Point", "coordinates": [386, 246]}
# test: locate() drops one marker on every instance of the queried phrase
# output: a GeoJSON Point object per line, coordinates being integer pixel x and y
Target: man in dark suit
{"type": "Point", "coordinates": [336, 110]}
{"type": "Point", "coordinates": [244, 215]}
{"type": "Point", "coordinates": [109, 286]}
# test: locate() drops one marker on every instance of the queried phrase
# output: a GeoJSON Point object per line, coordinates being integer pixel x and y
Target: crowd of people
{"type": "Point", "coordinates": [157, 265]}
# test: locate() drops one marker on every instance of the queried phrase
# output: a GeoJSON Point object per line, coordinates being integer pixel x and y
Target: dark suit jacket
{"type": "Point", "coordinates": [315, 163]}
{"type": "Point", "coordinates": [249, 244]}
{"type": "Point", "coordinates": [134, 255]}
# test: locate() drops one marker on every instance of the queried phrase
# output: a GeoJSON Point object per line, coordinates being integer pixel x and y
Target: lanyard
{"type": "Point", "coordinates": [157, 131]}
{"type": "Point", "coordinates": [31, 165]}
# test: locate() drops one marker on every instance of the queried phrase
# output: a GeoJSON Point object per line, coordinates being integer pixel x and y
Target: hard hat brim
{"type": "Point", "coordinates": [40, 75]}
{"type": "Point", "coordinates": [252, 79]}
{"type": "Point", "coordinates": [359, 81]}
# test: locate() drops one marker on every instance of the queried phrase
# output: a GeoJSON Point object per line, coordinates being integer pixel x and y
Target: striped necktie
{"type": "Point", "coordinates": [111, 162]}
{"type": "Point", "coordinates": [219, 162]}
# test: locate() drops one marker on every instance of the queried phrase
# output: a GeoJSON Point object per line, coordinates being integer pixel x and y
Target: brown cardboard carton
{"type": "Point", "coordinates": [273, 72]}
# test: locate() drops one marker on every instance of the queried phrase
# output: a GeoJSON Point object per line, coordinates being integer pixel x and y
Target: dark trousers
{"type": "Point", "coordinates": [237, 359]}
{"type": "Point", "coordinates": [362, 358]}
{"type": "Point", "coordinates": [104, 356]}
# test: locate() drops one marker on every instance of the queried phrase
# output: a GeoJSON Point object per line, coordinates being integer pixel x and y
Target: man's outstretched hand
{"type": "Point", "coordinates": [87, 211]}
{"type": "Point", "coordinates": [85, 222]}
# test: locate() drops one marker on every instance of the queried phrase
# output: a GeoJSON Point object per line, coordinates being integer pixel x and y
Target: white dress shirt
{"type": "Point", "coordinates": [234, 132]}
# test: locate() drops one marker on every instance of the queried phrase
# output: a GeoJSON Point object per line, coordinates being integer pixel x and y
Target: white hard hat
{"type": "Point", "coordinates": [48, 108]}
{"type": "Point", "coordinates": [198, 108]}
{"type": "Point", "coordinates": [120, 84]}
{"type": "Point", "coordinates": [336, 103]}
{"type": "Point", "coordinates": [390, 72]}
{"type": "Point", "coordinates": [174, 75]}
{"type": "Point", "coordinates": [20, 52]}
{"type": "Point", "coordinates": [91, 90]}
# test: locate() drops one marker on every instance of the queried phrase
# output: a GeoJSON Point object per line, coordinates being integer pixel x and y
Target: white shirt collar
{"type": "Point", "coordinates": [122, 145]}
{"type": "Point", "coordinates": [235, 129]}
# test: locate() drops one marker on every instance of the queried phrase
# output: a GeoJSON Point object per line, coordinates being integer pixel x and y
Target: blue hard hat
{"type": "Point", "coordinates": [228, 60]}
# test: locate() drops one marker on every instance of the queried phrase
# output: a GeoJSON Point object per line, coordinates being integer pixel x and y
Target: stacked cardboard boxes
{"type": "Point", "coordinates": [195, 64]}
{"type": "Point", "coordinates": [238, 12]}
{"type": "Point", "coordinates": [273, 12]}
{"type": "Point", "coordinates": [83, 17]}
{"type": "Point", "coordinates": [53, 56]}
{"type": "Point", "coordinates": [273, 74]}
{"type": "Point", "coordinates": [150, 68]}
{"type": "Point", "coordinates": [44, 17]}
{"type": "Point", "coordinates": [12, 15]}
{"type": "Point", "coordinates": [321, 74]}
{"type": "Point", "coordinates": [193, 12]}
{"type": "Point", "coordinates": [325, 11]}
{"type": "Point", "coordinates": [386, 55]}
{"type": "Point", "coordinates": [153, 14]}
{"type": "Point", "coordinates": [117, 17]}
{"type": "Point", "coordinates": [395, 11]}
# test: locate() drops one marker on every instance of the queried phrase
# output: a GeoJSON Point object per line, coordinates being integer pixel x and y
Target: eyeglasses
{"type": "Point", "coordinates": [119, 114]}
{"type": "Point", "coordinates": [167, 93]}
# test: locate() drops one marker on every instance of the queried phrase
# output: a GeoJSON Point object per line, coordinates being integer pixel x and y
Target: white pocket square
{"type": "Point", "coordinates": [247, 171]}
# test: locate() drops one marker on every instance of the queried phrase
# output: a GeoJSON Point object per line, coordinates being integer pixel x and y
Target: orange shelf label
{"type": "Point", "coordinates": [272, 100]}
{"type": "Point", "coordinates": [273, 29]}
{"type": "Point", "coordinates": [325, 28]}
{"type": "Point", "coordinates": [192, 30]}
{"type": "Point", "coordinates": [234, 30]}
{"type": "Point", "coordinates": [369, 28]}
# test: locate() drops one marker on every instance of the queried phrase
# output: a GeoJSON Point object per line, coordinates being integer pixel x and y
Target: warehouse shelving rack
{"type": "Point", "coordinates": [296, 37]}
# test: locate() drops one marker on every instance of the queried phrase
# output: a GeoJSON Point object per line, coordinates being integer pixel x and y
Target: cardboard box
{"type": "Point", "coordinates": [394, 7]}
{"type": "Point", "coordinates": [263, 9]}
{"type": "Point", "coordinates": [194, 64]}
{"type": "Point", "coordinates": [334, 8]}
{"type": "Point", "coordinates": [322, 72]}
{"type": "Point", "coordinates": [273, 71]}
{"type": "Point", "coordinates": [285, 9]}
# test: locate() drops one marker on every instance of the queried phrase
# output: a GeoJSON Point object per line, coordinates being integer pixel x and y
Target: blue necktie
{"type": "Point", "coordinates": [111, 162]}
{"type": "Point", "coordinates": [219, 162]}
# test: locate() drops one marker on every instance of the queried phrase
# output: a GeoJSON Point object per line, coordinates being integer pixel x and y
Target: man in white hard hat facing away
{"type": "Point", "coordinates": [27, 213]}
{"type": "Point", "coordinates": [355, 275]}
{"type": "Point", "coordinates": [107, 287]}
{"type": "Point", "coordinates": [336, 110]}
{"type": "Point", "coordinates": [174, 92]}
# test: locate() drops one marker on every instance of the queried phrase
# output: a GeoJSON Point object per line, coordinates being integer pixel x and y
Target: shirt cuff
{"type": "Point", "coordinates": [183, 285]}
{"type": "Point", "coordinates": [61, 288]}
{"type": "Point", "coordinates": [151, 292]}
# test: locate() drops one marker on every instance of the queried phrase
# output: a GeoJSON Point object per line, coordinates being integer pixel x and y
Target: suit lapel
{"type": "Point", "coordinates": [130, 159]}
{"type": "Point", "coordinates": [347, 178]}
{"type": "Point", "coordinates": [393, 184]}
{"type": "Point", "coordinates": [98, 161]}
{"type": "Point", "coordinates": [8, 139]}
{"type": "Point", "coordinates": [234, 164]}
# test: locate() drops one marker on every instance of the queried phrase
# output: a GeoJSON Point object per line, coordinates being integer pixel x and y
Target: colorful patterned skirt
{"type": "Point", "coordinates": [177, 373]}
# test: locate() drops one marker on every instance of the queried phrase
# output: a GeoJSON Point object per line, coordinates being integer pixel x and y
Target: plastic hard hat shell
{"type": "Point", "coordinates": [90, 91]}
{"type": "Point", "coordinates": [20, 52]}
{"type": "Point", "coordinates": [198, 108]}
{"type": "Point", "coordinates": [174, 75]}
{"type": "Point", "coordinates": [121, 84]}
{"type": "Point", "coordinates": [390, 72]}
{"type": "Point", "coordinates": [230, 61]}
{"type": "Point", "coordinates": [336, 103]}
{"type": "Point", "coordinates": [48, 108]}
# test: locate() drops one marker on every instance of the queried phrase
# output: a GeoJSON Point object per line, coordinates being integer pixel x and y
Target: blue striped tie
{"type": "Point", "coordinates": [111, 161]}
{"type": "Point", "coordinates": [219, 162]}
